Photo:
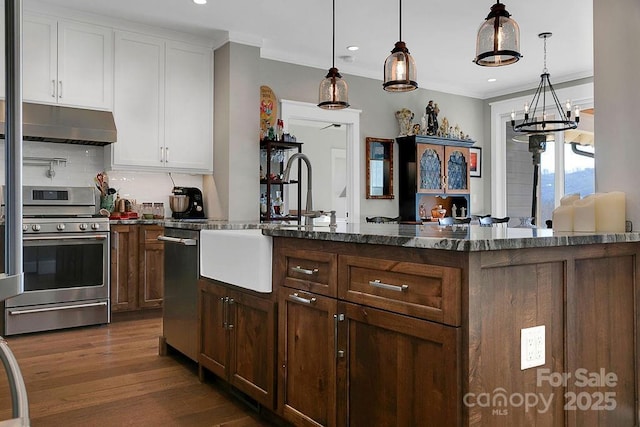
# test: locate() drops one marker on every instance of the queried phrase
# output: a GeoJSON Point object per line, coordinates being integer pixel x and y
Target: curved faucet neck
{"type": "Point", "coordinates": [301, 156]}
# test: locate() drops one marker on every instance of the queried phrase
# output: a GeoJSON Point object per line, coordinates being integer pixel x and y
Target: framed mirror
{"type": "Point", "coordinates": [379, 164]}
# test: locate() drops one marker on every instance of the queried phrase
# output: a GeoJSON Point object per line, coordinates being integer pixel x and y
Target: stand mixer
{"type": "Point", "coordinates": [186, 203]}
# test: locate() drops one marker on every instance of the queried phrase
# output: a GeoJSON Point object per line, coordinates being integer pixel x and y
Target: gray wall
{"type": "Point", "coordinates": [299, 83]}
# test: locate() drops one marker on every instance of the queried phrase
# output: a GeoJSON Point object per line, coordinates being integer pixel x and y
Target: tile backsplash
{"type": "Point", "coordinates": [79, 164]}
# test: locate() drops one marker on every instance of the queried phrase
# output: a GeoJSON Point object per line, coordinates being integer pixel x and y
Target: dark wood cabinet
{"type": "Point", "coordinates": [307, 346]}
{"type": "Point", "coordinates": [124, 267]}
{"type": "Point", "coordinates": [151, 267]}
{"type": "Point", "coordinates": [137, 267]}
{"type": "Point", "coordinates": [400, 371]}
{"type": "Point", "coordinates": [432, 171]}
{"type": "Point", "coordinates": [237, 339]}
{"type": "Point", "coordinates": [366, 362]}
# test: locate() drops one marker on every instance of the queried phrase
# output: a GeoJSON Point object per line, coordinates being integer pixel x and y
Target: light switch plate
{"type": "Point", "coordinates": [532, 347]}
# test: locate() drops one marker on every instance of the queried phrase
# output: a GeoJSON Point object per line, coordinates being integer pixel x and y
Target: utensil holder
{"type": "Point", "coordinates": [108, 202]}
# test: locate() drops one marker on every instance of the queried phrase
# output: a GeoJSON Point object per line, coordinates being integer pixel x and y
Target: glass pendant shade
{"type": "Point", "coordinates": [333, 94]}
{"type": "Point", "coordinates": [498, 41]}
{"type": "Point", "coordinates": [400, 73]}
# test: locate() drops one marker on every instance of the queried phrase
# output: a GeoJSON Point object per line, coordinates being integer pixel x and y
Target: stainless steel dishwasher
{"type": "Point", "coordinates": [181, 271]}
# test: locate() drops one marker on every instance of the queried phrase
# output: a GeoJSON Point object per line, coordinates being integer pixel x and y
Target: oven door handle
{"type": "Point", "coordinates": [63, 237]}
{"type": "Point", "coordinates": [178, 240]}
{"type": "Point", "coordinates": [64, 307]}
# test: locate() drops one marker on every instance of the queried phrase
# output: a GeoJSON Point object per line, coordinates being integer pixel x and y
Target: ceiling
{"type": "Point", "coordinates": [440, 35]}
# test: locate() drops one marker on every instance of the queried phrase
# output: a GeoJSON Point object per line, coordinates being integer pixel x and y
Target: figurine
{"type": "Point", "coordinates": [454, 211]}
{"type": "Point", "coordinates": [416, 129]}
{"type": "Point", "coordinates": [464, 212]}
{"type": "Point", "coordinates": [432, 111]}
{"type": "Point", "coordinates": [404, 116]}
{"type": "Point", "coordinates": [444, 128]}
{"type": "Point", "coordinates": [423, 125]}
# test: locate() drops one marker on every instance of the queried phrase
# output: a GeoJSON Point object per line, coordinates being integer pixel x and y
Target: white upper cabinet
{"type": "Point", "coordinates": [163, 105]}
{"type": "Point", "coordinates": [188, 107]}
{"type": "Point", "coordinates": [67, 63]}
{"type": "Point", "coordinates": [138, 107]}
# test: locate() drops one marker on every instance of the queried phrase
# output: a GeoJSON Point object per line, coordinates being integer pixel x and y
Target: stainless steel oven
{"type": "Point", "coordinates": [65, 262]}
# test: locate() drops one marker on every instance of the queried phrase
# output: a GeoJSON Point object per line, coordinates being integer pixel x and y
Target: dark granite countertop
{"type": "Point", "coordinates": [463, 238]}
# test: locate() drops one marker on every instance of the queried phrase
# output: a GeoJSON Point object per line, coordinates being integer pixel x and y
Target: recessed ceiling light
{"type": "Point", "coordinates": [353, 48]}
{"type": "Point", "coordinates": [200, 1]}
{"type": "Point", "coordinates": [491, 80]}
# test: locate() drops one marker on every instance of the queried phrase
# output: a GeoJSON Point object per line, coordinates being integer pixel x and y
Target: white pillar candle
{"type": "Point", "coordinates": [569, 199]}
{"type": "Point", "coordinates": [584, 214]}
{"type": "Point", "coordinates": [563, 218]}
{"type": "Point", "coordinates": [610, 212]}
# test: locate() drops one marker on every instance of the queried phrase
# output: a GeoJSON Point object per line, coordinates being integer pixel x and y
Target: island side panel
{"type": "Point", "coordinates": [602, 357]}
{"type": "Point", "coordinates": [587, 298]}
{"type": "Point", "coordinates": [506, 295]}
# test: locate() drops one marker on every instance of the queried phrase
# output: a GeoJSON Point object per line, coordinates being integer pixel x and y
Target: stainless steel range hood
{"type": "Point", "coordinates": [54, 123]}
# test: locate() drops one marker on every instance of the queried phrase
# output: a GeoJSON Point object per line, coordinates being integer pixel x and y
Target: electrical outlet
{"type": "Point", "coordinates": [532, 347]}
{"type": "Point", "coordinates": [628, 226]}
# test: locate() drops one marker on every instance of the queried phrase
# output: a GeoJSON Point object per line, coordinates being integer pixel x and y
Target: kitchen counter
{"type": "Point", "coordinates": [463, 238]}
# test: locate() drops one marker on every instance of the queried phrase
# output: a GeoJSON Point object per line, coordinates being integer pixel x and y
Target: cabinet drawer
{"type": "Point", "coordinates": [421, 290]}
{"type": "Point", "coordinates": [311, 271]}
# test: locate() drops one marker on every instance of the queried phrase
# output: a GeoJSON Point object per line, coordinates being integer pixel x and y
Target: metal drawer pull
{"type": "Point", "coordinates": [299, 269]}
{"type": "Point", "coordinates": [336, 319]}
{"type": "Point", "coordinates": [230, 301]}
{"type": "Point", "coordinates": [297, 298]}
{"type": "Point", "coordinates": [224, 313]}
{"type": "Point", "coordinates": [66, 307]}
{"type": "Point", "coordinates": [20, 402]}
{"type": "Point", "coordinates": [378, 284]}
{"type": "Point", "coordinates": [184, 242]}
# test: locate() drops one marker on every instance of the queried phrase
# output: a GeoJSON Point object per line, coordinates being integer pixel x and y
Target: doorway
{"type": "Point", "coordinates": [323, 131]}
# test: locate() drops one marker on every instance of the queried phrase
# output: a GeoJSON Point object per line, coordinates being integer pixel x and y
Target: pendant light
{"type": "Point", "coordinates": [400, 74]}
{"type": "Point", "coordinates": [333, 94]}
{"type": "Point", "coordinates": [541, 120]}
{"type": "Point", "coordinates": [498, 41]}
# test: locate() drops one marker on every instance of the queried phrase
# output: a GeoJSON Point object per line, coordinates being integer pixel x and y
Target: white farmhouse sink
{"type": "Point", "coordinates": [238, 257]}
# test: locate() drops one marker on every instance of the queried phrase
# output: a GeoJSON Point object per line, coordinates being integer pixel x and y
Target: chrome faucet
{"type": "Point", "coordinates": [309, 213]}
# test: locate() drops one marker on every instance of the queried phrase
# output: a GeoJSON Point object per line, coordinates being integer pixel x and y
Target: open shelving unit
{"type": "Point", "coordinates": [273, 167]}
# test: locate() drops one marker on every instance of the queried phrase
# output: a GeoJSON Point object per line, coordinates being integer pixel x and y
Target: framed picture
{"type": "Point", "coordinates": [475, 162]}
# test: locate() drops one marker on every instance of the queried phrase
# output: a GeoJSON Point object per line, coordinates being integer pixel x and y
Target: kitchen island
{"type": "Point", "coordinates": [394, 324]}
{"type": "Point", "coordinates": [389, 324]}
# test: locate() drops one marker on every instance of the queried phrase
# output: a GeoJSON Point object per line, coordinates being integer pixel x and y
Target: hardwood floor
{"type": "Point", "coordinates": [112, 376]}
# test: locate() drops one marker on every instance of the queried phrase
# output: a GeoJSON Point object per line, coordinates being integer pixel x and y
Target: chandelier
{"type": "Point", "coordinates": [400, 74]}
{"type": "Point", "coordinates": [333, 93]}
{"type": "Point", "coordinates": [537, 119]}
{"type": "Point", "coordinates": [498, 40]}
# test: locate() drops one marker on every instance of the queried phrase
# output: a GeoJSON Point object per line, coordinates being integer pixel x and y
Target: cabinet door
{"type": "Point", "coordinates": [252, 324]}
{"type": "Point", "coordinates": [151, 267]}
{"type": "Point", "coordinates": [430, 168]}
{"type": "Point", "coordinates": [400, 371]}
{"type": "Point", "coordinates": [457, 169]}
{"type": "Point", "coordinates": [306, 358]}
{"type": "Point", "coordinates": [213, 306]}
{"type": "Point", "coordinates": [39, 59]}
{"type": "Point", "coordinates": [189, 107]}
{"type": "Point", "coordinates": [85, 65]}
{"type": "Point", "coordinates": [139, 101]}
{"type": "Point", "coordinates": [124, 267]}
